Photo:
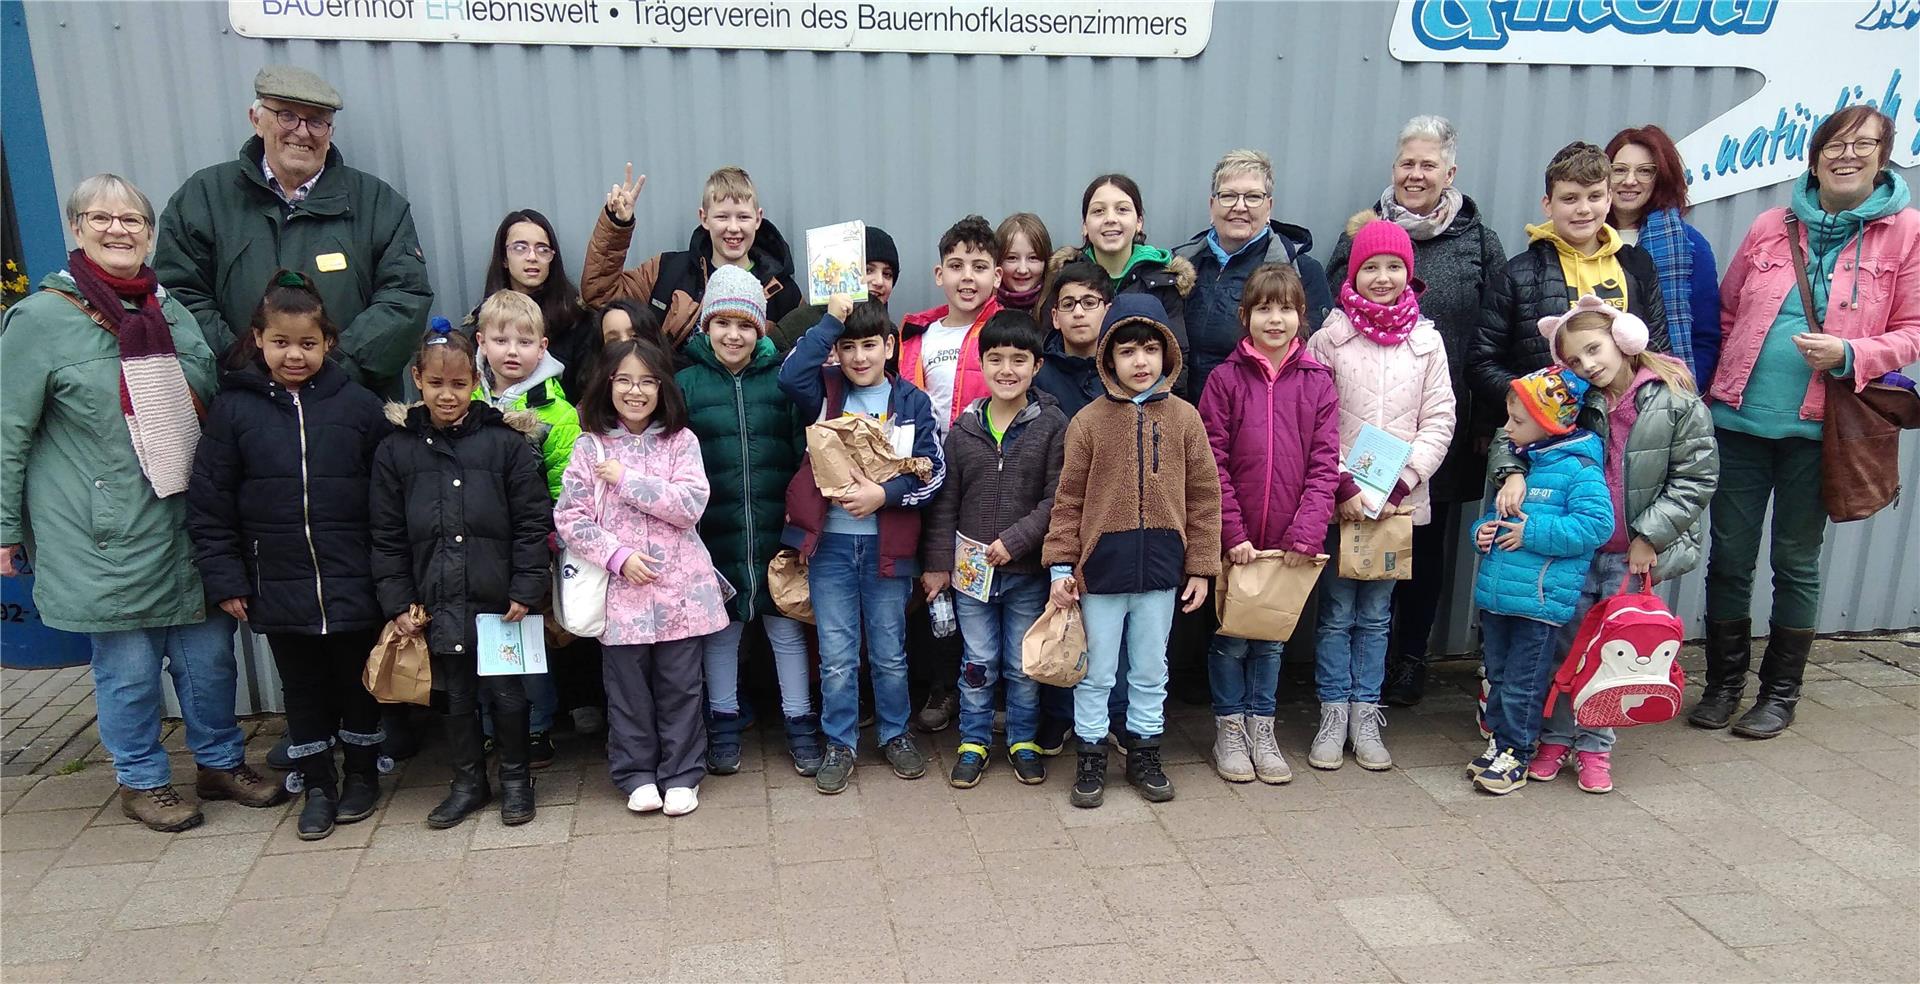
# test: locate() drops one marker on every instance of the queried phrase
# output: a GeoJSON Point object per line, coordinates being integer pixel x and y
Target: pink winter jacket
{"type": "Point", "coordinates": [653, 511]}
{"type": "Point", "coordinates": [1402, 389]}
{"type": "Point", "coordinates": [1882, 327]}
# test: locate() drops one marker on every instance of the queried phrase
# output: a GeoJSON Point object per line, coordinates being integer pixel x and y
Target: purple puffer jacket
{"type": "Point", "coordinates": [1276, 438]}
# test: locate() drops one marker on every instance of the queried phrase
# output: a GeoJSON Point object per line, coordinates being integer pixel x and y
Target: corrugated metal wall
{"type": "Point", "coordinates": [909, 142]}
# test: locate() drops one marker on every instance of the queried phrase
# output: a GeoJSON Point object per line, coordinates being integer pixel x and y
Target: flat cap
{"type": "Point", "coordinates": [295, 84]}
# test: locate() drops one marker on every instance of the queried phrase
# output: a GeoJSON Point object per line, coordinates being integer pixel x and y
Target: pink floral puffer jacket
{"type": "Point", "coordinates": [653, 511]}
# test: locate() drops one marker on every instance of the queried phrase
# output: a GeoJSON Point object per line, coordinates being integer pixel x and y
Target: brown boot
{"type": "Point", "coordinates": [239, 784]}
{"type": "Point", "coordinates": [160, 808]}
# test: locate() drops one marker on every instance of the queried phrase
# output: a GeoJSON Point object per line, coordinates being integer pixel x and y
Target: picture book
{"type": "Point", "coordinates": [510, 648]}
{"type": "Point", "coordinates": [972, 575]}
{"type": "Point", "coordinates": [1376, 461]}
{"type": "Point", "coordinates": [837, 261]}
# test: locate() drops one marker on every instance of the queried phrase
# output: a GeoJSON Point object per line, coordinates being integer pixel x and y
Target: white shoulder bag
{"type": "Point", "coordinates": [580, 585]}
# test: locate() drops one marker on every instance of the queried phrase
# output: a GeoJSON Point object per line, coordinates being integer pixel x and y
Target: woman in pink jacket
{"type": "Point", "coordinates": [630, 500]}
{"type": "Point", "coordinates": [1390, 366]}
{"type": "Point", "coordinates": [1861, 239]}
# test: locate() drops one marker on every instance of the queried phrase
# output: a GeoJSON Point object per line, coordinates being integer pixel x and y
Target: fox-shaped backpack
{"type": "Point", "coordinates": [1623, 668]}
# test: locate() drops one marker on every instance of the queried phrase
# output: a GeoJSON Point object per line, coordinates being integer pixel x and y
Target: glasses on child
{"type": "Point", "coordinates": [1861, 147]}
{"type": "Point", "coordinates": [1234, 199]}
{"type": "Point", "coordinates": [521, 247]}
{"type": "Point", "coordinates": [102, 221]}
{"type": "Point", "coordinates": [1645, 172]}
{"type": "Point", "coordinates": [627, 384]}
{"type": "Point", "coordinates": [1085, 302]}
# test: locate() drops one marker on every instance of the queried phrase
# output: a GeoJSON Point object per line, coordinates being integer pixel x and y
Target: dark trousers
{"type": "Point", "coordinates": [1753, 471]}
{"type": "Point", "coordinates": [576, 674]}
{"type": "Point", "coordinates": [1416, 600]}
{"type": "Point", "coordinates": [459, 675]}
{"type": "Point", "coordinates": [656, 720]}
{"type": "Point", "coordinates": [320, 682]}
{"type": "Point", "coordinates": [933, 663]}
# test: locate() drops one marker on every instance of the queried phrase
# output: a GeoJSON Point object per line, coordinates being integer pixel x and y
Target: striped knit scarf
{"type": "Point", "coordinates": [1664, 235]}
{"type": "Point", "coordinates": [162, 414]}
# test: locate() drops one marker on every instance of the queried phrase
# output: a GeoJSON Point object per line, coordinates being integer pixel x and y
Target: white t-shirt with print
{"type": "Point", "coordinates": [940, 362]}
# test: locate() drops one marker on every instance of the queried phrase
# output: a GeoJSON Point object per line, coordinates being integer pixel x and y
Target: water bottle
{"type": "Point", "coordinates": [944, 622]}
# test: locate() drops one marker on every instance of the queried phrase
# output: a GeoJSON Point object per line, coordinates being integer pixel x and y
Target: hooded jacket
{"type": "Point", "coordinates": [1275, 435]}
{"type": "Point", "coordinates": [1072, 380]}
{"type": "Point", "coordinates": [1531, 286]}
{"type": "Point", "coordinates": [542, 394]}
{"type": "Point", "coordinates": [277, 507]}
{"type": "Point", "coordinates": [1402, 389]}
{"type": "Point", "coordinates": [1569, 515]}
{"type": "Point", "coordinates": [225, 232]}
{"type": "Point", "coordinates": [999, 490]}
{"type": "Point", "coordinates": [1154, 271]}
{"type": "Point", "coordinates": [1212, 308]}
{"type": "Point", "coordinates": [968, 382]}
{"type": "Point", "coordinates": [1138, 507]}
{"type": "Point", "coordinates": [751, 440]}
{"type": "Point", "coordinates": [459, 521]}
{"type": "Point", "coordinates": [674, 282]}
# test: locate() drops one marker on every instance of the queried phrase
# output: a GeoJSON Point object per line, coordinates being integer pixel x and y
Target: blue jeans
{"type": "Point", "coordinates": [849, 594]}
{"type": "Point", "coordinates": [991, 632]}
{"type": "Point", "coordinates": [721, 659]}
{"type": "Point", "coordinates": [1519, 657]}
{"type": "Point", "coordinates": [1603, 582]}
{"type": "Point", "coordinates": [1142, 621]}
{"type": "Point", "coordinates": [126, 689]}
{"type": "Point", "coordinates": [1350, 665]}
{"type": "Point", "coordinates": [1244, 674]}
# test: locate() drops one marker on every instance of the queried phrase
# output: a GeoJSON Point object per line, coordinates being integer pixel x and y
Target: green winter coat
{"type": "Point", "coordinates": [108, 555]}
{"type": "Point", "coordinates": [1672, 468]}
{"type": "Point", "coordinates": [559, 421]}
{"type": "Point", "coordinates": [751, 438]}
{"type": "Point", "coordinates": [225, 232]}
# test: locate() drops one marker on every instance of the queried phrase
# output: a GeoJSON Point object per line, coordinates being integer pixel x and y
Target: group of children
{"type": "Point", "coordinates": [1047, 397]}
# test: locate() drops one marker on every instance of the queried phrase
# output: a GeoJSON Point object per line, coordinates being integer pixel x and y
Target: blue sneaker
{"type": "Point", "coordinates": [1503, 775]}
{"type": "Point", "coordinates": [723, 743]}
{"type": "Point", "coordinates": [968, 768]}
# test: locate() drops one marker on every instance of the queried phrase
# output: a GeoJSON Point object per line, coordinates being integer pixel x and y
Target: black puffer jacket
{"type": "Point", "coordinates": [277, 507]}
{"type": "Point", "coordinates": [1531, 286]}
{"type": "Point", "coordinates": [460, 521]}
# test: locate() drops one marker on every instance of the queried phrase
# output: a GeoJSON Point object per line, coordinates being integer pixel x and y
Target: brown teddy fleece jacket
{"type": "Point", "coordinates": [1138, 507]}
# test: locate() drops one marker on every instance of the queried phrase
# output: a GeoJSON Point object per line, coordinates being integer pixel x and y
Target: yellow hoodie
{"type": "Point", "coordinates": [1599, 274]}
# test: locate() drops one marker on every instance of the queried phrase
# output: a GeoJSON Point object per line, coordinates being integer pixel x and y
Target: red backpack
{"type": "Point", "coordinates": [1623, 668]}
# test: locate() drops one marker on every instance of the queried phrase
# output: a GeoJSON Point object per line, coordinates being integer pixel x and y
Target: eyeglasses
{"type": "Point", "coordinates": [1645, 172]}
{"type": "Point", "coordinates": [1234, 199]}
{"type": "Point", "coordinates": [290, 121]}
{"type": "Point", "coordinates": [1085, 302]}
{"type": "Point", "coordinates": [627, 384]}
{"type": "Point", "coordinates": [1861, 147]}
{"type": "Point", "coordinates": [521, 247]}
{"type": "Point", "coordinates": [102, 221]}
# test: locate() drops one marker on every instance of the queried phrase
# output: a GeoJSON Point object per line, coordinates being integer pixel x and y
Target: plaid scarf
{"type": "Point", "coordinates": [163, 416]}
{"type": "Point", "coordinates": [1664, 235]}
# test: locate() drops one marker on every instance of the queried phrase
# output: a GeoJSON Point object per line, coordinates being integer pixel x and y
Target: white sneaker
{"type": "Point", "coordinates": [682, 800]}
{"type": "Point", "coordinates": [646, 799]}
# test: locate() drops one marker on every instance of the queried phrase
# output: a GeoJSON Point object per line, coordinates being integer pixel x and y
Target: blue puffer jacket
{"type": "Point", "coordinates": [1569, 514]}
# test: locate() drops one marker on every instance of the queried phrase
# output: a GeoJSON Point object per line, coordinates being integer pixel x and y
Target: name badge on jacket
{"type": "Point", "coordinates": [330, 262]}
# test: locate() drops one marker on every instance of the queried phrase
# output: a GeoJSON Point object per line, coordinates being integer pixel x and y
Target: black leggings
{"type": "Point", "coordinates": [320, 680]}
{"type": "Point", "coordinates": [459, 675]}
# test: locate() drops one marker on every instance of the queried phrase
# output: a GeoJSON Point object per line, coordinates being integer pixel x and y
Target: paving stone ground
{"type": "Point", "coordinates": [1717, 859]}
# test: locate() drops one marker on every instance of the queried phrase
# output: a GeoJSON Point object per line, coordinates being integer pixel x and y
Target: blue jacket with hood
{"type": "Point", "coordinates": [1569, 515]}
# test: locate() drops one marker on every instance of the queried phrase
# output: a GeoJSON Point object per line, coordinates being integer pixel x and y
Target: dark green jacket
{"type": "Point", "coordinates": [751, 438]}
{"type": "Point", "coordinates": [225, 232]}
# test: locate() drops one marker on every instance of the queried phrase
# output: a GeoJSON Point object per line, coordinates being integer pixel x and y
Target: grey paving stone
{"type": "Point", "coordinates": [85, 790]}
{"type": "Point", "coordinates": [281, 875]}
{"type": "Point", "coordinates": [41, 831]}
{"type": "Point", "coordinates": [231, 854]}
{"type": "Point", "coordinates": [1401, 920]}
{"type": "Point", "coordinates": [177, 903]}
{"type": "Point", "coordinates": [709, 827]}
{"type": "Point", "coordinates": [1810, 884]}
{"type": "Point", "coordinates": [1743, 919]}
{"type": "Point", "coordinates": [105, 886]}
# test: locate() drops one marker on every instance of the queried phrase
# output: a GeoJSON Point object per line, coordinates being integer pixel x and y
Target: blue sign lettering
{"type": "Point", "coordinates": [1487, 25]}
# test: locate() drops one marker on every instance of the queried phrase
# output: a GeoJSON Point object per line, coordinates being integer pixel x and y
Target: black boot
{"type": "Point", "coordinates": [1406, 680]}
{"type": "Point", "coordinates": [396, 722]}
{"type": "Point", "coordinates": [1090, 778]}
{"type": "Point", "coordinates": [360, 791]}
{"type": "Point", "coordinates": [317, 813]}
{"type": "Point", "coordinates": [468, 791]}
{"type": "Point", "coordinates": [510, 739]}
{"type": "Point", "coordinates": [1729, 651]}
{"type": "Point", "coordinates": [1781, 668]}
{"type": "Point", "coordinates": [1143, 769]}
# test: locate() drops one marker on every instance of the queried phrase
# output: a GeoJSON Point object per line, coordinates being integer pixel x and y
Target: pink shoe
{"type": "Point", "coordinates": [1595, 770]}
{"type": "Point", "coordinates": [1547, 762]}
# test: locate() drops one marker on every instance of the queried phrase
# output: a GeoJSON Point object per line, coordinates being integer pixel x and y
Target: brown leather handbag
{"type": "Point", "coordinates": [1860, 432]}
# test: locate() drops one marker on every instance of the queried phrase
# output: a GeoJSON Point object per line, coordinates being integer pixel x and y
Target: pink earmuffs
{"type": "Point", "coordinates": [1629, 332]}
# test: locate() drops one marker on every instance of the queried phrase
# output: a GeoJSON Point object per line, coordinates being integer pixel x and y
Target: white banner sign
{"type": "Point", "coordinates": [1116, 28]}
{"type": "Point", "coordinates": [1818, 56]}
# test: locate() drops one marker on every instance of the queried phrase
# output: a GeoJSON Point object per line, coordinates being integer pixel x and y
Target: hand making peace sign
{"type": "Point", "coordinates": [621, 196]}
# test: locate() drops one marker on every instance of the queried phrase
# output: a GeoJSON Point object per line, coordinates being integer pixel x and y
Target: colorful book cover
{"type": "Point", "coordinates": [837, 261]}
{"type": "Point", "coordinates": [972, 575]}
{"type": "Point", "coordinates": [1376, 461]}
{"type": "Point", "coordinates": [510, 648]}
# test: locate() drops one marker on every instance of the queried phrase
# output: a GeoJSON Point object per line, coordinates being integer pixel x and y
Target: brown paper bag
{"type": "Point", "coordinates": [1263, 599]}
{"type": "Point", "coordinates": [787, 582]}
{"type": "Point", "coordinates": [850, 446]}
{"type": "Point", "coordinates": [399, 670]}
{"type": "Point", "coordinates": [1054, 650]}
{"type": "Point", "coordinates": [1377, 549]}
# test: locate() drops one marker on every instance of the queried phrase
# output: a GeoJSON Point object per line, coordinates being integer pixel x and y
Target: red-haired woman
{"type": "Point", "coordinates": [1649, 209]}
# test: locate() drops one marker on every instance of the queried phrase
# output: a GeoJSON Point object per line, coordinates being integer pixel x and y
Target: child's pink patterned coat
{"type": "Point", "coordinates": [653, 511]}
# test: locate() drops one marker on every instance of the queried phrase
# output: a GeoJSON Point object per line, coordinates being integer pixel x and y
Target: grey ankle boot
{"type": "Point", "coordinates": [1328, 750]}
{"type": "Point", "coordinates": [1268, 764]}
{"type": "Point", "coordinates": [1364, 722]}
{"type": "Point", "coordinates": [1230, 757]}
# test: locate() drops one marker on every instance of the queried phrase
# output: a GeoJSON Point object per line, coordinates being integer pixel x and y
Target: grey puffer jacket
{"type": "Point", "coordinates": [1672, 468]}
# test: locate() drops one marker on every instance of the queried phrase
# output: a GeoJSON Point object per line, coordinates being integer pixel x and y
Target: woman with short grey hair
{"type": "Point", "coordinates": [1455, 257]}
{"type": "Point", "coordinates": [103, 377]}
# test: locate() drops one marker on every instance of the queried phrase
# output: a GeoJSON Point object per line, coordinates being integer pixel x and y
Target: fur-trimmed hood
{"type": "Point", "coordinates": [525, 421]}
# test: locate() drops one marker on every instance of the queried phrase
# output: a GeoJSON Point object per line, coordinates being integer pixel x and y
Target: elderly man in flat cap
{"type": "Point", "coordinates": [289, 200]}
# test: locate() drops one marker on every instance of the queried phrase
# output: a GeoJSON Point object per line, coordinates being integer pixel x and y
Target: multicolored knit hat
{"type": "Point", "coordinates": [732, 290]}
{"type": "Point", "coordinates": [1552, 397]}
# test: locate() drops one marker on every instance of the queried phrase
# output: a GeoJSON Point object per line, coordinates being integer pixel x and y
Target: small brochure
{"type": "Point", "coordinates": [837, 261]}
{"type": "Point", "coordinates": [511, 648]}
{"type": "Point", "coordinates": [972, 575]}
{"type": "Point", "coordinates": [1376, 461]}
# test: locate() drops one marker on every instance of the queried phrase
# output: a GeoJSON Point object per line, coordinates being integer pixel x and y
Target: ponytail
{"type": "Point", "coordinates": [289, 293]}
